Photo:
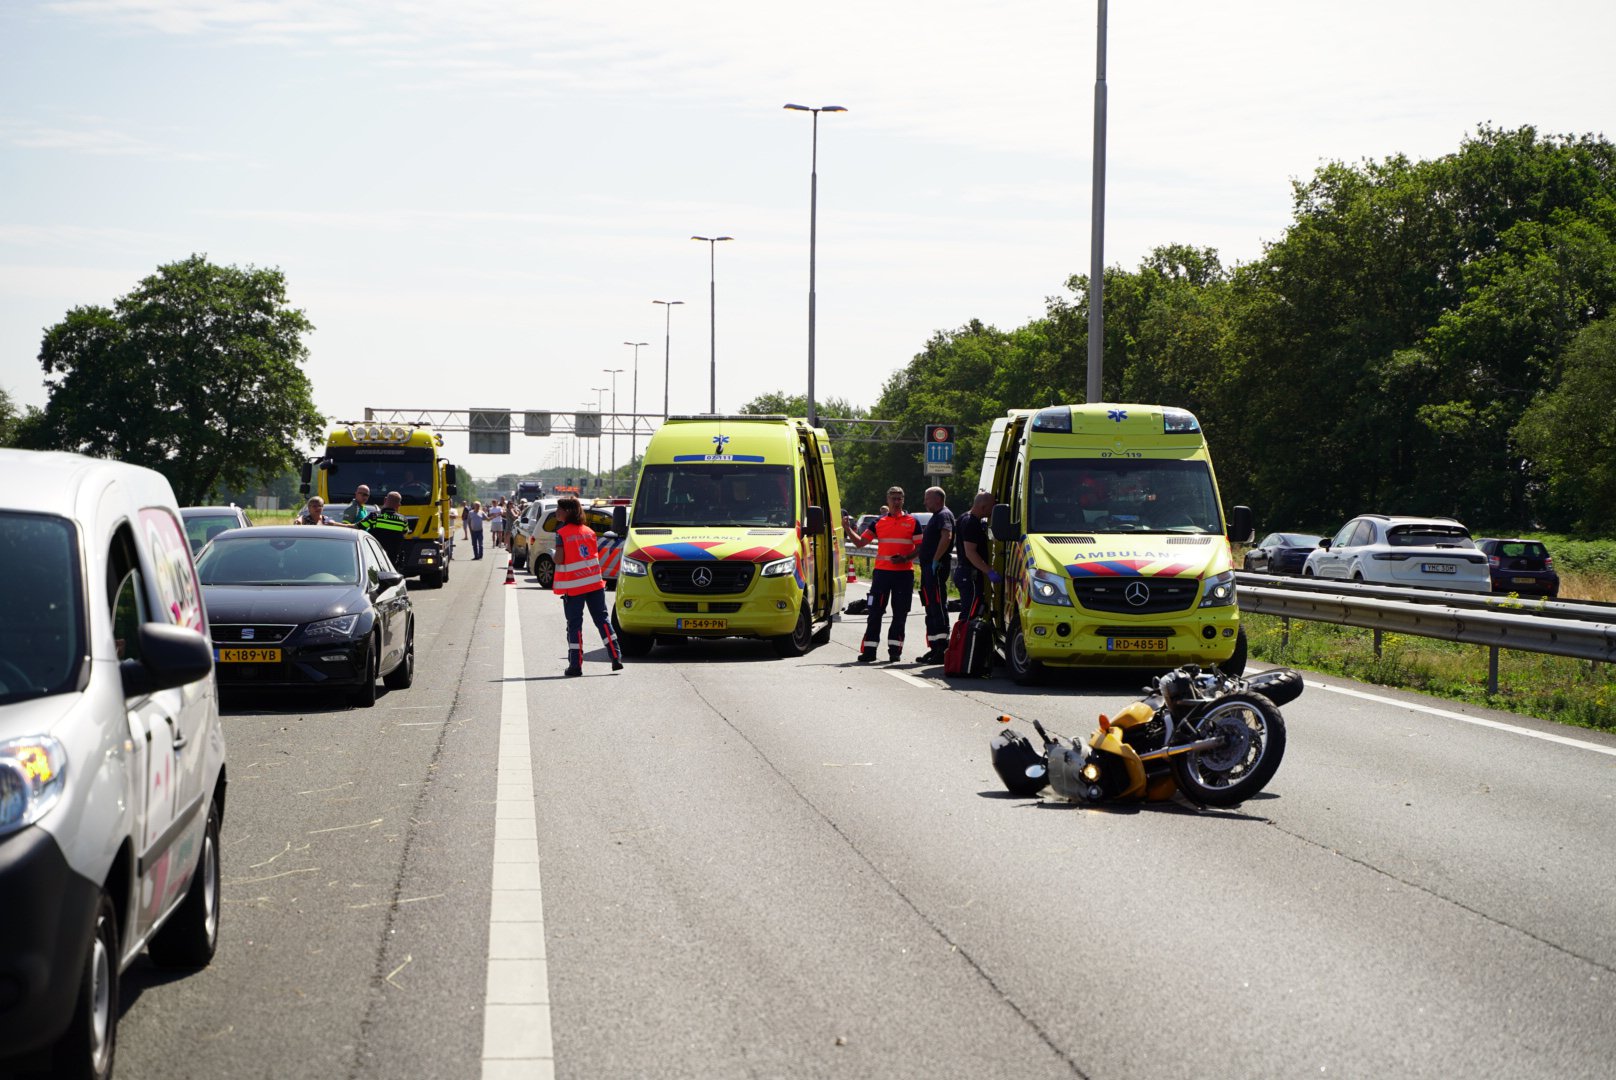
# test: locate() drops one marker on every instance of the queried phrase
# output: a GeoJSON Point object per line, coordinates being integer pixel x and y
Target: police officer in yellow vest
{"type": "Point", "coordinates": [897, 536]}
{"type": "Point", "coordinates": [388, 526]}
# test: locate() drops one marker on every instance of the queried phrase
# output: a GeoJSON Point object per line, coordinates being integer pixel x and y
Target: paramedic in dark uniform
{"type": "Point", "coordinates": [935, 544]}
{"type": "Point", "coordinates": [974, 571]}
{"type": "Point", "coordinates": [897, 537]}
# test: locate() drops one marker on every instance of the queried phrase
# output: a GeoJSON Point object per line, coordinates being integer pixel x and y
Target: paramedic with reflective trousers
{"type": "Point", "coordinates": [579, 584]}
{"type": "Point", "coordinates": [897, 537]}
{"type": "Point", "coordinates": [935, 544]}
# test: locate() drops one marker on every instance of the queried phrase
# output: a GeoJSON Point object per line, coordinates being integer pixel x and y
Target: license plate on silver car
{"type": "Point", "coordinates": [1439, 568]}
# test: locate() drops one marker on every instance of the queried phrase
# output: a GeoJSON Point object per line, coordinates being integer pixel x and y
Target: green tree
{"type": "Point", "coordinates": [196, 373]}
{"type": "Point", "coordinates": [1567, 431]}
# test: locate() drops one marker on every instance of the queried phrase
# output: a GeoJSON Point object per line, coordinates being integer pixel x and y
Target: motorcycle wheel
{"type": "Point", "coordinates": [1253, 736]}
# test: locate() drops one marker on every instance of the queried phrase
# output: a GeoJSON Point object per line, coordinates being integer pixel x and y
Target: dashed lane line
{"type": "Point", "coordinates": [516, 1007]}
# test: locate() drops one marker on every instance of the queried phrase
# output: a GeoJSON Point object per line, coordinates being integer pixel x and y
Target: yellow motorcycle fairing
{"type": "Point", "coordinates": [1108, 740]}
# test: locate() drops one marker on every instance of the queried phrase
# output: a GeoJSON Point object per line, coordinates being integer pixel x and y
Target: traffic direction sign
{"type": "Point", "coordinates": [940, 450]}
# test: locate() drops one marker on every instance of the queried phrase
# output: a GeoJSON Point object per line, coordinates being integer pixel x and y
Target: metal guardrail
{"type": "Point", "coordinates": [1584, 630]}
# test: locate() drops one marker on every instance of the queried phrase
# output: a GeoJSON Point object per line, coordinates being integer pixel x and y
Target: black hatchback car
{"type": "Point", "coordinates": [304, 606]}
{"type": "Point", "coordinates": [1280, 553]}
{"type": "Point", "coordinates": [1523, 567]}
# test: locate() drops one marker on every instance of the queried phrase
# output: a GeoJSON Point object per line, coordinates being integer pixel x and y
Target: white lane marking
{"type": "Point", "coordinates": [516, 1002]}
{"type": "Point", "coordinates": [911, 680]}
{"type": "Point", "coordinates": [1478, 721]}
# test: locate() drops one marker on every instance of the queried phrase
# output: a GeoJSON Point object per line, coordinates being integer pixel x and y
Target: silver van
{"type": "Point", "coordinates": [112, 760]}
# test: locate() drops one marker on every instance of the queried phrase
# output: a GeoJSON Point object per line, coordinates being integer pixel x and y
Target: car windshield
{"type": "Point", "coordinates": [404, 469]}
{"type": "Point", "coordinates": [201, 528]}
{"type": "Point", "coordinates": [42, 642]}
{"type": "Point", "coordinates": [281, 560]}
{"type": "Point", "coordinates": [1120, 495]}
{"type": "Point", "coordinates": [715, 495]}
{"type": "Point", "coordinates": [1428, 536]}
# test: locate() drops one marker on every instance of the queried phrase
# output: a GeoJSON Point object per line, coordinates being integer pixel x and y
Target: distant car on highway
{"type": "Point", "coordinates": [316, 608]}
{"type": "Point", "coordinates": [1433, 553]}
{"type": "Point", "coordinates": [203, 523]}
{"type": "Point", "coordinates": [1523, 567]}
{"type": "Point", "coordinates": [1280, 553]}
{"type": "Point", "coordinates": [525, 540]}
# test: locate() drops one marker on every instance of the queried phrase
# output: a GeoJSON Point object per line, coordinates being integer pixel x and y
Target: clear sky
{"type": "Point", "coordinates": [476, 201]}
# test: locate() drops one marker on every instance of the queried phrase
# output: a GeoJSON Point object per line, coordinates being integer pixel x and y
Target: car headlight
{"type": "Point", "coordinates": [330, 630]}
{"type": "Point", "coordinates": [31, 777]}
{"type": "Point", "coordinates": [631, 567]}
{"type": "Point", "coordinates": [780, 567]}
{"type": "Point", "coordinates": [1049, 588]}
{"type": "Point", "coordinates": [1219, 590]}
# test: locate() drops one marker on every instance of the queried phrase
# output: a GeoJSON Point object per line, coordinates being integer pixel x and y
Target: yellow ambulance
{"type": "Point", "coordinates": [1111, 539]}
{"type": "Point", "coordinates": [735, 534]}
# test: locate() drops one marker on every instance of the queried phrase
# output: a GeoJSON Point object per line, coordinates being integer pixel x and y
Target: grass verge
{"type": "Point", "coordinates": [1557, 688]}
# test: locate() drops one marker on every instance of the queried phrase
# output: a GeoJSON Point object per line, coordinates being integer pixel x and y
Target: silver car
{"type": "Point", "coordinates": [1379, 549]}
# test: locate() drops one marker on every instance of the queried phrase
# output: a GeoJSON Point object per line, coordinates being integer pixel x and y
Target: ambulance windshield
{"type": "Point", "coordinates": [714, 495]}
{"type": "Point", "coordinates": [1121, 495]}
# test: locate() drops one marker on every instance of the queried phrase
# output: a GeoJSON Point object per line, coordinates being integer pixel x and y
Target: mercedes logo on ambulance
{"type": "Point", "coordinates": [1137, 593]}
{"type": "Point", "coordinates": [701, 577]}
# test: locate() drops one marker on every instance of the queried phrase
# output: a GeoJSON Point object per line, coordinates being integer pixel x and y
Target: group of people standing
{"type": "Point", "coordinates": [385, 523]}
{"type": "Point", "coordinates": [499, 517]}
{"type": "Point", "coordinates": [901, 543]}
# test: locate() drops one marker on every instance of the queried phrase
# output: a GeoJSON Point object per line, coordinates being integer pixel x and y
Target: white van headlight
{"type": "Point", "coordinates": [780, 567]}
{"type": "Point", "coordinates": [1219, 590]}
{"type": "Point", "coordinates": [1049, 588]}
{"type": "Point", "coordinates": [31, 778]}
{"type": "Point", "coordinates": [631, 567]}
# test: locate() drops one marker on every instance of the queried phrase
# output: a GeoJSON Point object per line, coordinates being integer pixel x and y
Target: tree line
{"type": "Point", "coordinates": [1425, 337]}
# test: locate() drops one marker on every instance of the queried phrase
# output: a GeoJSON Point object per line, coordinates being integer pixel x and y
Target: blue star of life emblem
{"type": "Point", "coordinates": [720, 441]}
{"type": "Point", "coordinates": [1119, 415]}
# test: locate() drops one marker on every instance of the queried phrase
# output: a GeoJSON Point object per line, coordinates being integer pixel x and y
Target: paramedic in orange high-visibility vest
{"type": "Point", "coordinates": [897, 538]}
{"type": "Point", "coordinates": [579, 584]}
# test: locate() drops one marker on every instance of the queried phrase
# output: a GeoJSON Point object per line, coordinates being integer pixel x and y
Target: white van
{"type": "Point", "coordinates": [112, 761]}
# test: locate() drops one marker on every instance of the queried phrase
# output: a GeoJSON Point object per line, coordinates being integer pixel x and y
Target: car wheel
{"type": "Point", "coordinates": [801, 638]}
{"type": "Point", "coordinates": [634, 645]}
{"type": "Point", "coordinates": [87, 1048]}
{"type": "Point", "coordinates": [1357, 577]}
{"type": "Point", "coordinates": [191, 935]}
{"type": "Point", "coordinates": [1236, 664]}
{"type": "Point", "coordinates": [519, 559]}
{"type": "Point", "coordinates": [364, 694]}
{"type": "Point", "coordinates": [1307, 571]}
{"type": "Point", "coordinates": [443, 571]}
{"type": "Point", "coordinates": [1245, 564]}
{"type": "Point", "coordinates": [1023, 669]}
{"type": "Point", "coordinates": [402, 676]}
{"type": "Point", "coordinates": [544, 570]}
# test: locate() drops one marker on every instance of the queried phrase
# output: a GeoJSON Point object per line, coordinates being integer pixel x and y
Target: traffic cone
{"type": "Point", "coordinates": [852, 574]}
{"type": "Point", "coordinates": [510, 570]}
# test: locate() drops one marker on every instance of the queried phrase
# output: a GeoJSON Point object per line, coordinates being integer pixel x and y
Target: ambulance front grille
{"type": "Point", "coordinates": [702, 578]}
{"type": "Point", "coordinates": [1160, 594]}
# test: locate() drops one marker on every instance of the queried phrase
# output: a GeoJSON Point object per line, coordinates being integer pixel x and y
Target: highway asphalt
{"type": "Point", "coordinates": [755, 867]}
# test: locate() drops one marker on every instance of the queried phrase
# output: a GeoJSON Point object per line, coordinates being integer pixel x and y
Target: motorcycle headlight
{"type": "Point", "coordinates": [631, 567]}
{"type": "Point", "coordinates": [780, 567]}
{"type": "Point", "coordinates": [1219, 590]}
{"type": "Point", "coordinates": [31, 778]}
{"type": "Point", "coordinates": [1049, 588]}
{"type": "Point", "coordinates": [330, 630]}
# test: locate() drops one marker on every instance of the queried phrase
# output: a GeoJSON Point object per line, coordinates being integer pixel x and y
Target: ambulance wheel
{"type": "Point", "coordinates": [1023, 668]}
{"type": "Point", "coordinates": [634, 645]}
{"type": "Point", "coordinates": [801, 638]}
{"type": "Point", "coordinates": [1236, 664]}
{"type": "Point", "coordinates": [822, 636]}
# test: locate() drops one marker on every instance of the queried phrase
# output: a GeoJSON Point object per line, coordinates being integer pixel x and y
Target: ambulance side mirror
{"type": "Point", "coordinates": [620, 520]}
{"type": "Point", "coordinates": [1241, 529]}
{"type": "Point", "coordinates": [1000, 523]}
{"type": "Point", "coordinates": [816, 520]}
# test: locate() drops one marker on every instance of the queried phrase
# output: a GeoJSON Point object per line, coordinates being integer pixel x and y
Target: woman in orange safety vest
{"type": "Point", "coordinates": [897, 536]}
{"type": "Point", "coordinates": [579, 584]}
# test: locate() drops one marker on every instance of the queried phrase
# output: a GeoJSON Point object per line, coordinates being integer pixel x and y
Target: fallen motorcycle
{"type": "Point", "coordinates": [1216, 739]}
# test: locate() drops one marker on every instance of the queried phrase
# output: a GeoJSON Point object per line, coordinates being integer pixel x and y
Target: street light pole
{"type": "Point", "coordinates": [614, 373]}
{"type": "Point", "coordinates": [667, 338]}
{"type": "Point", "coordinates": [1097, 225]}
{"type": "Point", "coordinates": [813, 234]}
{"type": "Point", "coordinates": [634, 431]}
{"type": "Point", "coordinates": [712, 318]}
{"type": "Point", "coordinates": [600, 406]}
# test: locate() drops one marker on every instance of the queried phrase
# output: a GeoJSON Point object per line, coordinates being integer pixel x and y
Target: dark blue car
{"type": "Point", "coordinates": [1280, 553]}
